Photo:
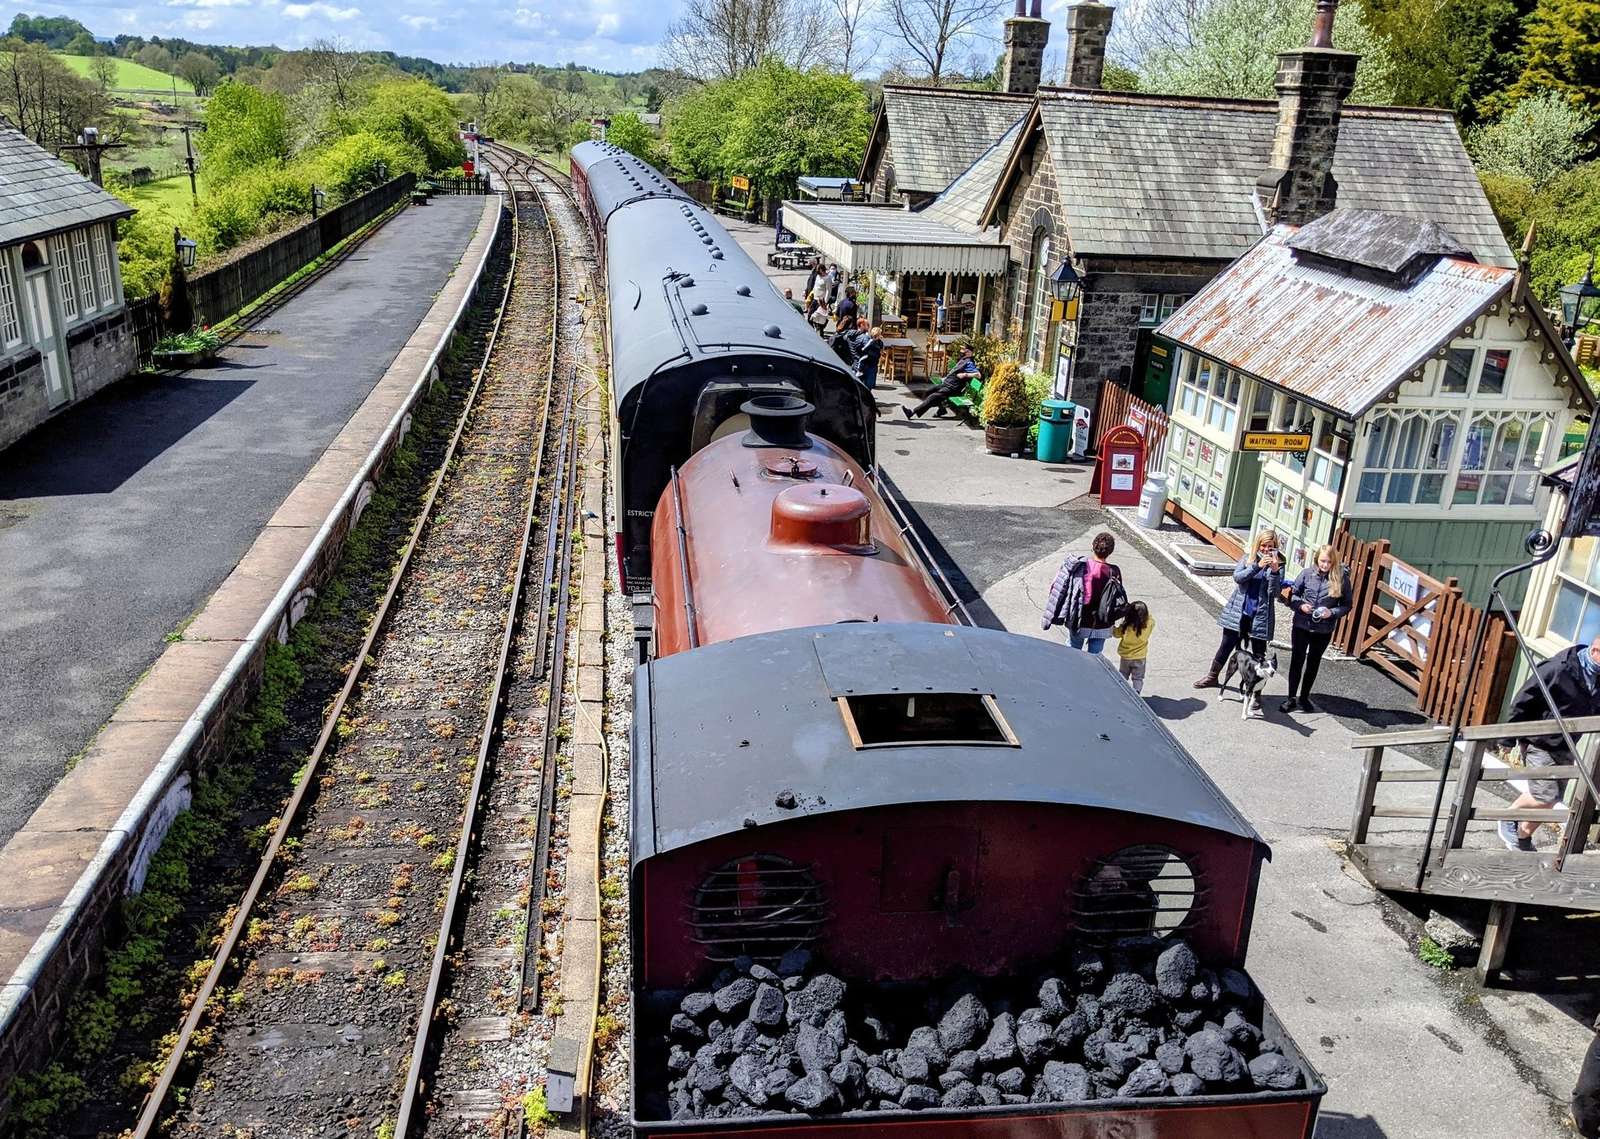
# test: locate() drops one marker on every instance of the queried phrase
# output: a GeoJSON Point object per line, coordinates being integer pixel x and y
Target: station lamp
{"type": "Point", "coordinates": [383, 170]}
{"type": "Point", "coordinates": [317, 197]}
{"type": "Point", "coordinates": [184, 248]}
{"type": "Point", "coordinates": [1065, 284]}
{"type": "Point", "coordinates": [1573, 299]}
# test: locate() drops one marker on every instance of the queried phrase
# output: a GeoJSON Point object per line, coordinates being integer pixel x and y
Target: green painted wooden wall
{"type": "Point", "coordinates": [1471, 550]}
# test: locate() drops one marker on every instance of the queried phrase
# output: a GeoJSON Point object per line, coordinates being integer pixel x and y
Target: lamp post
{"type": "Point", "coordinates": [1065, 284]}
{"type": "Point", "coordinates": [1574, 297]}
{"type": "Point", "coordinates": [184, 248]}
{"type": "Point", "coordinates": [383, 171]}
{"type": "Point", "coordinates": [316, 200]}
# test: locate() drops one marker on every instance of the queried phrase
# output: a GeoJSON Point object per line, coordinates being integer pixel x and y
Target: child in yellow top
{"type": "Point", "coordinates": [1133, 642]}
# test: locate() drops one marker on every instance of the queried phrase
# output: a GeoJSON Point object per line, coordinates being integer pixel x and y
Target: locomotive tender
{"type": "Point", "coordinates": [695, 329]}
{"type": "Point", "coordinates": [823, 760]}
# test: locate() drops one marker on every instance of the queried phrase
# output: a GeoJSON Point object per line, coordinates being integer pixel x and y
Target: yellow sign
{"type": "Point", "coordinates": [1064, 310]}
{"type": "Point", "coordinates": [740, 182]}
{"type": "Point", "coordinates": [1276, 441]}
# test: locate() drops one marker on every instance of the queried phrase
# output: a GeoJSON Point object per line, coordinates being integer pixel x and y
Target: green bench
{"type": "Point", "coordinates": [966, 403]}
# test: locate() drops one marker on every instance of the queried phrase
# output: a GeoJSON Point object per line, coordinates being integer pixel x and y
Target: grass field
{"type": "Point", "coordinates": [170, 195]}
{"type": "Point", "coordinates": [131, 76]}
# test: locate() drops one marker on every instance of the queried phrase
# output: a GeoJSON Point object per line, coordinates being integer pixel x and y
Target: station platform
{"type": "Point", "coordinates": [119, 518]}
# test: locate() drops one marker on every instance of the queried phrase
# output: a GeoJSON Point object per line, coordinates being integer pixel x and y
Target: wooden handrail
{"type": "Point", "coordinates": [1577, 725]}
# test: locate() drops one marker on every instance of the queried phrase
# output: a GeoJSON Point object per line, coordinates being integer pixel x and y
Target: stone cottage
{"type": "Point", "coordinates": [64, 327]}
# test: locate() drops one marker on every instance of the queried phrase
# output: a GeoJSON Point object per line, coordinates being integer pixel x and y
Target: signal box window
{"type": "Point", "coordinates": [892, 719]}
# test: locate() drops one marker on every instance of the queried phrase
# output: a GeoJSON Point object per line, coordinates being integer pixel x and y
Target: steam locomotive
{"type": "Point", "coordinates": [827, 768]}
{"type": "Point", "coordinates": [695, 329]}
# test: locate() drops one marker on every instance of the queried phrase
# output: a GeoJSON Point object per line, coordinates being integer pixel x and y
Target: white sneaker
{"type": "Point", "coordinates": [1508, 835]}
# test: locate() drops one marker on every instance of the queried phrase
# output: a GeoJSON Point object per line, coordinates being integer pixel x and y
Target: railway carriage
{"type": "Point", "coordinates": [695, 329]}
{"type": "Point", "coordinates": [825, 763]}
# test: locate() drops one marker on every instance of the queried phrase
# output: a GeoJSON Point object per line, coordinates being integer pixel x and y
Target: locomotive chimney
{"type": "Point", "coordinates": [777, 421]}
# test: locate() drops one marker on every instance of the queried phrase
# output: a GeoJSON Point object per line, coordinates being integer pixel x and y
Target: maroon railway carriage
{"type": "Point", "coordinates": [821, 760]}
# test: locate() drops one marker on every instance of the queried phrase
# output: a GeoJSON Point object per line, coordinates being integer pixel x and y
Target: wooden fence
{"type": "Point", "coordinates": [470, 184]}
{"type": "Point", "coordinates": [1419, 630]}
{"type": "Point", "coordinates": [1116, 407]}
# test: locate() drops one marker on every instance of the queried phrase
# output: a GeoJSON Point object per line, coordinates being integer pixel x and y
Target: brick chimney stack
{"type": "Point", "coordinates": [1027, 32]}
{"type": "Point", "coordinates": [1312, 84]}
{"type": "Point", "coordinates": [1088, 27]}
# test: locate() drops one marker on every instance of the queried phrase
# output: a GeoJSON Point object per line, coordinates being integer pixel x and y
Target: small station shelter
{"type": "Point", "coordinates": [64, 328]}
{"type": "Point", "coordinates": [1365, 367]}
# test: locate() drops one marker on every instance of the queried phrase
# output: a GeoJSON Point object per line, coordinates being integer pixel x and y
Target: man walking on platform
{"type": "Point", "coordinates": [1573, 677]}
{"type": "Point", "coordinates": [954, 383]}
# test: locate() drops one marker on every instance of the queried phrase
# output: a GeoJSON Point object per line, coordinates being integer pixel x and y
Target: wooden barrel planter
{"type": "Point", "coordinates": [1003, 440]}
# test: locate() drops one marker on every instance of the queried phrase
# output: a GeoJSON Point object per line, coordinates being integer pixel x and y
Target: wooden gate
{"type": "Point", "coordinates": [1116, 407]}
{"type": "Point", "coordinates": [1419, 630]}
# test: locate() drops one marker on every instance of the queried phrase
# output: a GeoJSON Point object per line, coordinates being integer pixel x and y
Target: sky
{"type": "Point", "coordinates": [610, 35]}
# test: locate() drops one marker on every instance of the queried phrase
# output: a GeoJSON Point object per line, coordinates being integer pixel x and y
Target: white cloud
{"type": "Point", "coordinates": [527, 18]}
{"type": "Point", "coordinates": [417, 23]}
{"type": "Point", "coordinates": [608, 23]}
{"type": "Point", "coordinates": [326, 11]}
{"type": "Point", "coordinates": [208, 3]}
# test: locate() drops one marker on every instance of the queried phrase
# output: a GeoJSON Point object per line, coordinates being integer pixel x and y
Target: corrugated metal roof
{"type": "Point", "coordinates": [1338, 340]}
{"type": "Point", "coordinates": [936, 132]}
{"type": "Point", "coordinates": [962, 203]}
{"type": "Point", "coordinates": [863, 238]}
{"type": "Point", "coordinates": [40, 194]}
{"type": "Point", "coordinates": [1160, 176]}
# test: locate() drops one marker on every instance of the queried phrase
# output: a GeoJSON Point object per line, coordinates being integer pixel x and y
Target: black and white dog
{"type": "Point", "coordinates": [1253, 673]}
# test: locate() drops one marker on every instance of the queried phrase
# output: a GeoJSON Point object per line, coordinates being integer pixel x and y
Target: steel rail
{"type": "Point", "coordinates": [300, 798]}
{"type": "Point", "coordinates": [427, 1014]}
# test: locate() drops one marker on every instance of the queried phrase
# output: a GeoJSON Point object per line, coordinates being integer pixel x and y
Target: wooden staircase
{"type": "Point", "coordinates": [1466, 861]}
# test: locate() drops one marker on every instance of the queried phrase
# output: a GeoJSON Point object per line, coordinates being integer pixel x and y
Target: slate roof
{"type": "Point", "coordinates": [1372, 239]}
{"type": "Point", "coordinates": [1337, 339]}
{"type": "Point", "coordinates": [962, 203]}
{"type": "Point", "coordinates": [936, 132]}
{"type": "Point", "coordinates": [1162, 176]}
{"type": "Point", "coordinates": [40, 194]}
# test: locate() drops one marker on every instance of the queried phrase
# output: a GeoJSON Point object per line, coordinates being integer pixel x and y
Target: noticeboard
{"type": "Point", "coordinates": [1583, 501]}
{"type": "Point", "coordinates": [739, 182]}
{"type": "Point", "coordinates": [1276, 441]}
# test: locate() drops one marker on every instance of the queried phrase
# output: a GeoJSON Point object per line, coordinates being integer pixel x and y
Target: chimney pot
{"type": "Point", "coordinates": [1322, 23]}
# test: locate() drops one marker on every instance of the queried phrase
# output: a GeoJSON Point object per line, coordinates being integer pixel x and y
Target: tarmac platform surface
{"type": "Point", "coordinates": [120, 517]}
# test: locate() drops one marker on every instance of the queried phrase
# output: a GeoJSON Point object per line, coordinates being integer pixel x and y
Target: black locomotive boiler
{"type": "Point", "coordinates": [695, 329]}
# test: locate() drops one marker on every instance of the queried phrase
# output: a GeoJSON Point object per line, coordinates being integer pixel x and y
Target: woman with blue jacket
{"type": "Point", "coordinates": [1248, 616]}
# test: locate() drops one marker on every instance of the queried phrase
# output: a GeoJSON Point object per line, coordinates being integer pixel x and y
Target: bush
{"type": "Point", "coordinates": [144, 246]}
{"type": "Point", "coordinates": [254, 203]}
{"type": "Point", "coordinates": [1005, 398]}
{"type": "Point", "coordinates": [988, 351]}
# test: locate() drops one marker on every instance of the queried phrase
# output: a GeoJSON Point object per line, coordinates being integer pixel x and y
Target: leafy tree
{"type": "Point", "coordinates": [103, 68]}
{"type": "Point", "coordinates": [628, 131]}
{"type": "Point", "coordinates": [697, 125]}
{"type": "Point", "coordinates": [245, 128]}
{"type": "Point", "coordinates": [42, 97]}
{"type": "Point", "coordinates": [1450, 53]}
{"type": "Point", "coordinates": [54, 32]}
{"type": "Point", "coordinates": [200, 71]}
{"type": "Point", "coordinates": [82, 44]}
{"type": "Point", "coordinates": [515, 105]}
{"type": "Point", "coordinates": [1562, 53]}
{"type": "Point", "coordinates": [155, 57]}
{"type": "Point", "coordinates": [1566, 211]}
{"type": "Point", "coordinates": [1232, 50]}
{"type": "Point", "coordinates": [419, 119]}
{"type": "Point", "coordinates": [1536, 140]}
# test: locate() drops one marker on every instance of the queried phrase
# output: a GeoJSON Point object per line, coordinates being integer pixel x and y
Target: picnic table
{"type": "Point", "coordinates": [898, 351]}
{"type": "Point", "coordinates": [792, 256]}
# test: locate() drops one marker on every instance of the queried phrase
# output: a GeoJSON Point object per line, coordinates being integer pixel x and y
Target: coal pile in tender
{"type": "Point", "coordinates": [1143, 1019]}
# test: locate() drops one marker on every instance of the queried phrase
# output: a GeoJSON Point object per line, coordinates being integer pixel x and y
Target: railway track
{"type": "Point", "coordinates": [340, 983]}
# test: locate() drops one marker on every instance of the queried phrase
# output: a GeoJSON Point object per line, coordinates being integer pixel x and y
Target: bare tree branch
{"type": "Point", "coordinates": [928, 29]}
{"type": "Point", "coordinates": [719, 39]}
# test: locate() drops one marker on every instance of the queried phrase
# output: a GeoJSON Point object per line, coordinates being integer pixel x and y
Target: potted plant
{"type": "Point", "coordinates": [1005, 411]}
{"type": "Point", "coordinates": [186, 349]}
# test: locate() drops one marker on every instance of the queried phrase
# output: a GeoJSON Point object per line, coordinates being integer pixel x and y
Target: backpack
{"type": "Point", "coordinates": [1112, 604]}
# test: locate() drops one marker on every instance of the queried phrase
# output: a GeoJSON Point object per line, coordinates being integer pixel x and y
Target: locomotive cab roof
{"type": "Point", "coordinates": [779, 726]}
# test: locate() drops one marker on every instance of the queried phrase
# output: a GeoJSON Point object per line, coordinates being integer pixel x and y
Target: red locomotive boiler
{"type": "Point", "coordinates": [826, 768]}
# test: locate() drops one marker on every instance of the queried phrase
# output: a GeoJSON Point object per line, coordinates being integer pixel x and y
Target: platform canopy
{"type": "Point", "coordinates": [889, 239]}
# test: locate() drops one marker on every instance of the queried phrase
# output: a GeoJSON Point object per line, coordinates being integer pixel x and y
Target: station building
{"type": "Point", "coordinates": [1141, 199]}
{"type": "Point", "coordinates": [1430, 391]}
{"type": "Point", "coordinates": [64, 326]}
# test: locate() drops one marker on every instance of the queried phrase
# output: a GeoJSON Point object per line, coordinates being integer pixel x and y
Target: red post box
{"type": "Point", "coordinates": [1121, 467]}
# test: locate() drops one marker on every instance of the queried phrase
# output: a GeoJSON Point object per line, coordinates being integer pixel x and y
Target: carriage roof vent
{"type": "Point", "coordinates": [743, 291]}
{"type": "Point", "coordinates": [773, 331]}
{"type": "Point", "coordinates": [777, 421]}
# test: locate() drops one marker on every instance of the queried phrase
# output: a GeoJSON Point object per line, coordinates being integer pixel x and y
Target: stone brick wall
{"type": "Point", "coordinates": [1088, 28]}
{"type": "Point", "coordinates": [1033, 200]}
{"type": "Point", "coordinates": [1108, 314]}
{"type": "Point", "coordinates": [1312, 84]}
{"type": "Point", "coordinates": [1024, 59]}
{"type": "Point", "coordinates": [22, 397]}
{"type": "Point", "coordinates": [102, 352]}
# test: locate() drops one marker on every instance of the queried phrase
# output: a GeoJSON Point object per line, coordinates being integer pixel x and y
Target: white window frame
{"type": "Point", "coordinates": [61, 266]}
{"type": "Point", "coordinates": [1565, 580]}
{"type": "Point", "coordinates": [1149, 308]}
{"type": "Point", "coordinates": [1431, 422]}
{"type": "Point", "coordinates": [1479, 352]}
{"type": "Point", "coordinates": [1215, 403]}
{"type": "Point", "coordinates": [83, 262]}
{"type": "Point", "coordinates": [1523, 470]}
{"type": "Point", "coordinates": [105, 271]}
{"type": "Point", "coordinates": [10, 309]}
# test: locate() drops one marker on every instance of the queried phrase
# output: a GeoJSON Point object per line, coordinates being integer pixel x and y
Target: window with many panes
{"type": "Point", "coordinates": [84, 263]}
{"type": "Point", "coordinates": [10, 318]}
{"type": "Point", "coordinates": [1408, 455]}
{"type": "Point", "coordinates": [1479, 372]}
{"type": "Point", "coordinates": [1500, 457]}
{"type": "Point", "coordinates": [103, 259]}
{"type": "Point", "coordinates": [1210, 392]}
{"type": "Point", "coordinates": [61, 263]}
{"type": "Point", "coordinates": [1156, 307]}
{"type": "Point", "coordinates": [1575, 616]}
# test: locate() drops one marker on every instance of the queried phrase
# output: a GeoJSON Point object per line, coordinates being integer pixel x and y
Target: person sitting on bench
{"type": "Point", "coordinates": [954, 383]}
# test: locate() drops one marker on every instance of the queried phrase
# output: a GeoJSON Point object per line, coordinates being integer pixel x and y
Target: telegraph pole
{"type": "Point", "coordinates": [91, 146]}
{"type": "Point", "coordinates": [188, 153]}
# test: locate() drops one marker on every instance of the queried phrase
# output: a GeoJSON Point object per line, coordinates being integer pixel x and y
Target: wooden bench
{"type": "Point", "coordinates": [969, 400]}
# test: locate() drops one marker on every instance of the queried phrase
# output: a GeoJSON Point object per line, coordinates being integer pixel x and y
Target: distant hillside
{"type": "Point", "coordinates": [131, 76]}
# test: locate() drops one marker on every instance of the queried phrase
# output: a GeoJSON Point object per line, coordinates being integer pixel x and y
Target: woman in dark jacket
{"type": "Point", "coordinates": [1247, 617]}
{"type": "Point", "coordinates": [1319, 597]}
{"type": "Point", "coordinates": [867, 360]}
